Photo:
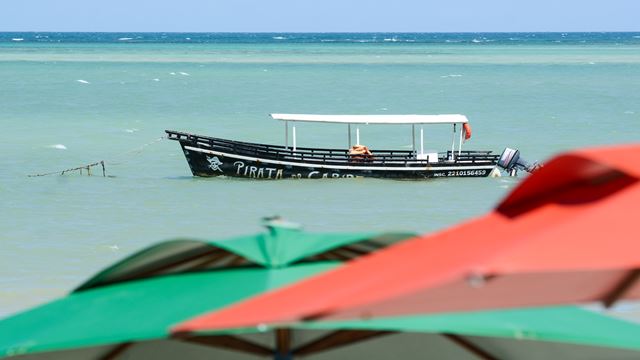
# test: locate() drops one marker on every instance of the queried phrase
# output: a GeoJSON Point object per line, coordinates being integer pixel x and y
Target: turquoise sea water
{"type": "Point", "coordinates": [70, 99]}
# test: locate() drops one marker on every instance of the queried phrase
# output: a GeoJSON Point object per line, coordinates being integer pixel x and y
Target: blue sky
{"type": "Point", "coordinates": [320, 15]}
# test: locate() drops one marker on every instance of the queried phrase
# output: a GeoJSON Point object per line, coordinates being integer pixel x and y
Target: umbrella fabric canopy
{"type": "Point", "coordinates": [141, 297]}
{"type": "Point", "coordinates": [567, 234]}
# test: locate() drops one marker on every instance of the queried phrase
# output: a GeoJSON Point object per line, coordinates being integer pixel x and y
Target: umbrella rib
{"type": "Point", "coordinates": [349, 252]}
{"type": "Point", "coordinates": [370, 243]}
{"type": "Point", "coordinates": [229, 342]}
{"type": "Point", "coordinates": [629, 279]}
{"type": "Point", "coordinates": [469, 346]}
{"type": "Point", "coordinates": [337, 339]}
{"type": "Point", "coordinates": [236, 260]}
{"type": "Point", "coordinates": [355, 250]}
{"type": "Point", "coordinates": [159, 269]}
{"type": "Point", "coordinates": [210, 259]}
{"type": "Point", "coordinates": [322, 257]}
{"type": "Point", "coordinates": [343, 253]}
{"type": "Point", "coordinates": [331, 256]}
{"type": "Point", "coordinates": [338, 255]}
{"type": "Point", "coordinates": [116, 351]}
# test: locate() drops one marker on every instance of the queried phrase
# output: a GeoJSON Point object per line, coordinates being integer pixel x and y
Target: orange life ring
{"type": "Point", "coordinates": [467, 131]}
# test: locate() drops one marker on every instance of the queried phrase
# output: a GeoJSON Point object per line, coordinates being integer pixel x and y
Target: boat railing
{"type": "Point", "coordinates": [305, 152]}
{"type": "Point", "coordinates": [312, 155]}
{"type": "Point", "coordinates": [330, 156]}
{"type": "Point", "coordinates": [282, 152]}
{"type": "Point", "coordinates": [469, 156]}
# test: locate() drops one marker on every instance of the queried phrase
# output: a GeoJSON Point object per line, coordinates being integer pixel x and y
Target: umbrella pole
{"type": "Point", "coordinates": [283, 345]}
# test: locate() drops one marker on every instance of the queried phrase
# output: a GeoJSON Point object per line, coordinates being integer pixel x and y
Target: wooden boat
{"type": "Point", "coordinates": [210, 156]}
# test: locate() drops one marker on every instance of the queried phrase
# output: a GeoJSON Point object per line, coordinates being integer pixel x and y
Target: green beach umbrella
{"type": "Point", "coordinates": [138, 299]}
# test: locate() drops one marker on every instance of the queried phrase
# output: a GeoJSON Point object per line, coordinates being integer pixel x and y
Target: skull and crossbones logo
{"type": "Point", "coordinates": [214, 163]}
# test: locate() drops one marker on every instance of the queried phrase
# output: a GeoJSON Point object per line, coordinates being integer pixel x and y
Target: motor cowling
{"type": "Point", "coordinates": [511, 162]}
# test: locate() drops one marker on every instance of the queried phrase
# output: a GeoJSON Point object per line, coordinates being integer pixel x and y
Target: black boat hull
{"type": "Point", "coordinates": [210, 163]}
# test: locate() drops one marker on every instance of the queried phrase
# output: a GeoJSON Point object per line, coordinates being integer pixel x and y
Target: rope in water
{"type": "Point", "coordinates": [101, 163]}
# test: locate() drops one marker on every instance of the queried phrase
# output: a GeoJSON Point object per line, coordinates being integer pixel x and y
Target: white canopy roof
{"type": "Point", "coordinates": [375, 119]}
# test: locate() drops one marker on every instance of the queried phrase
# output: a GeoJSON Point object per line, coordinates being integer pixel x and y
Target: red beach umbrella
{"type": "Point", "coordinates": [567, 234]}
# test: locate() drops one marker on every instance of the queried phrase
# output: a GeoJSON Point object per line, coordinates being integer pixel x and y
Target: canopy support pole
{"type": "Point", "coordinates": [469, 346]}
{"type": "Point", "coordinates": [293, 128]}
{"type": "Point", "coordinates": [460, 146]}
{"type": "Point", "coordinates": [421, 140]}
{"type": "Point", "coordinates": [286, 135]}
{"type": "Point", "coordinates": [349, 134]}
{"type": "Point", "coordinates": [413, 137]}
{"type": "Point", "coordinates": [357, 135]}
{"type": "Point", "coordinates": [453, 142]}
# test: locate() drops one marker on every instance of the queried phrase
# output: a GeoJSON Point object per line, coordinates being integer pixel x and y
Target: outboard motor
{"type": "Point", "coordinates": [511, 162]}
